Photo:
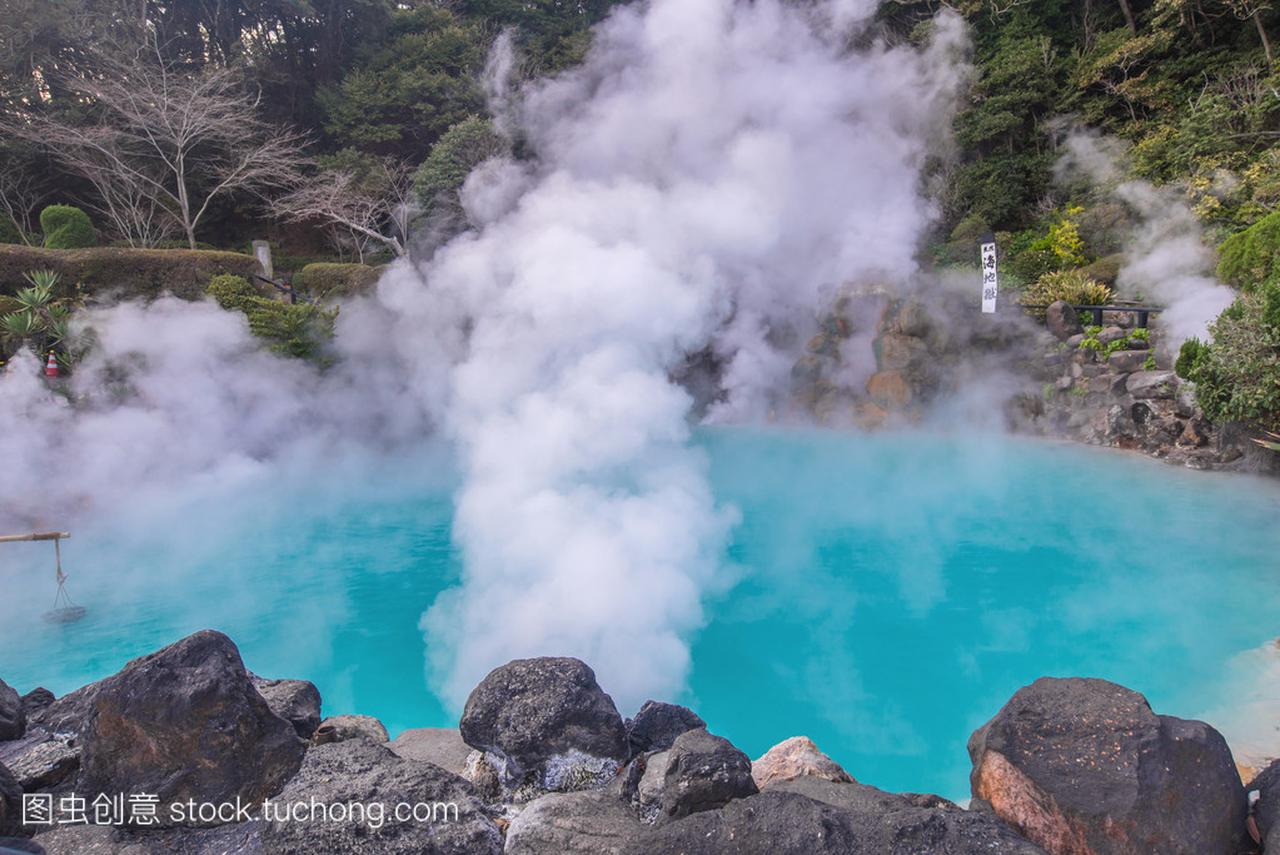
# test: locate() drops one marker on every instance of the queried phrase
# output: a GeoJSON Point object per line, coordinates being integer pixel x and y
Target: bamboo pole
{"type": "Point", "coordinates": [40, 535]}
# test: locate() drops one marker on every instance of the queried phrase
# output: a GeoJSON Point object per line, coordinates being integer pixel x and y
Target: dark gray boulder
{"type": "Point", "coordinates": [36, 700]}
{"type": "Point", "coordinates": [295, 701]}
{"type": "Point", "coordinates": [546, 723]}
{"type": "Point", "coordinates": [904, 824]}
{"type": "Point", "coordinates": [1266, 806]}
{"type": "Point", "coordinates": [596, 822]}
{"type": "Point", "coordinates": [1084, 766]}
{"type": "Point", "coordinates": [442, 746]}
{"type": "Point", "coordinates": [698, 772]}
{"type": "Point", "coordinates": [360, 772]}
{"type": "Point", "coordinates": [1062, 320]}
{"type": "Point", "coordinates": [10, 804]}
{"type": "Point", "coordinates": [770, 823]}
{"type": "Point", "coordinates": [658, 724]}
{"type": "Point", "coordinates": [186, 723]}
{"type": "Point", "coordinates": [13, 718]}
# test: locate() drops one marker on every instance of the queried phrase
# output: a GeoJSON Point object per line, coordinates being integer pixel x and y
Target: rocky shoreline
{"type": "Point", "coordinates": [877, 362]}
{"type": "Point", "coordinates": [185, 751]}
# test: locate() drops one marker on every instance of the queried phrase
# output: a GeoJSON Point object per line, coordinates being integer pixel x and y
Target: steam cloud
{"type": "Point", "coordinates": [1166, 259]}
{"type": "Point", "coordinates": [709, 178]}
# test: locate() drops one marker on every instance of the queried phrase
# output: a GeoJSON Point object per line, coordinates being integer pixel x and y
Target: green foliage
{"type": "Point", "coordinates": [301, 331]}
{"type": "Point", "coordinates": [1237, 376]}
{"type": "Point", "coordinates": [328, 280]}
{"type": "Point", "coordinates": [1073, 286]}
{"type": "Point", "coordinates": [124, 273]}
{"type": "Point", "coordinates": [1064, 240]}
{"type": "Point", "coordinates": [66, 227]}
{"type": "Point", "coordinates": [1250, 258]}
{"type": "Point", "coordinates": [1149, 364]}
{"type": "Point", "coordinates": [408, 91]}
{"type": "Point", "coordinates": [465, 146]}
{"type": "Point", "coordinates": [35, 317]}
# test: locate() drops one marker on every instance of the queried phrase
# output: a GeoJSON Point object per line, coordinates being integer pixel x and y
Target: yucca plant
{"type": "Point", "coordinates": [35, 317]}
{"type": "Point", "coordinates": [20, 326]}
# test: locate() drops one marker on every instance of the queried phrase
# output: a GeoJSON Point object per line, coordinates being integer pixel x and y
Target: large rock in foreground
{"type": "Point", "coordinates": [771, 823]}
{"type": "Point", "coordinates": [371, 777]}
{"type": "Point", "coordinates": [546, 723]}
{"type": "Point", "coordinates": [186, 723]}
{"type": "Point", "coordinates": [597, 822]}
{"type": "Point", "coordinates": [908, 824]}
{"type": "Point", "coordinates": [1084, 767]}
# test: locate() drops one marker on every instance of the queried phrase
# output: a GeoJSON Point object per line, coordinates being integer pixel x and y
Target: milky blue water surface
{"type": "Point", "coordinates": [892, 590]}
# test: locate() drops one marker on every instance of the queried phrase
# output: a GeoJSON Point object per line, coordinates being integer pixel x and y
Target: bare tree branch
{"type": "Point", "coordinates": [166, 144]}
{"type": "Point", "coordinates": [364, 209]}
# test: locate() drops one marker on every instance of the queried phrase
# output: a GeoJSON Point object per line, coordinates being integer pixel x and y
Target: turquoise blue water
{"type": "Point", "coordinates": [891, 590]}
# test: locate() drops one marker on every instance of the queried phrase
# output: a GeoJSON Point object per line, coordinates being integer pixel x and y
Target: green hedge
{"type": "Point", "coordinates": [116, 273]}
{"type": "Point", "coordinates": [1251, 258]}
{"type": "Point", "coordinates": [301, 330]}
{"type": "Point", "coordinates": [66, 227]}
{"type": "Point", "coordinates": [328, 280]}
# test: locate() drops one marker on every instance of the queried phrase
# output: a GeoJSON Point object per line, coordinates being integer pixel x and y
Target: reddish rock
{"type": "Point", "coordinates": [796, 757]}
{"type": "Point", "coordinates": [1084, 767]}
{"type": "Point", "coordinates": [890, 390]}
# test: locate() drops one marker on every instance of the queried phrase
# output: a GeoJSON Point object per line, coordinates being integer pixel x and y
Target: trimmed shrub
{"type": "Point", "coordinates": [327, 280]}
{"type": "Point", "coordinates": [1251, 257]}
{"type": "Point", "coordinates": [114, 273]}
{"type": "Point", "coordinates": [66, 227]}
{"type": "Point", "coordinates": [301, 330]}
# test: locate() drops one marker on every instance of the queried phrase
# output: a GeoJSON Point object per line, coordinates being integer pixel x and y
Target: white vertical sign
{"type": "Point", "coordinates": [990, 280]}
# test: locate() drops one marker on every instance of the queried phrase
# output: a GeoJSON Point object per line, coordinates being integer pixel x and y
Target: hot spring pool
{"type": "Point", "coordinates": [891, 590]}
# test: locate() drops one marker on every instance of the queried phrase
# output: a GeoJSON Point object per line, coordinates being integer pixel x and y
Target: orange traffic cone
{"type": "Point", "coordinates": [51, 367]}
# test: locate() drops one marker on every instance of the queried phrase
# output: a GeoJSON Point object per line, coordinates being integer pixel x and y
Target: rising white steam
{"type": "Point", "coordinates": [709, 178]}
{"type": "Point", "coordinates": [1166, 258]}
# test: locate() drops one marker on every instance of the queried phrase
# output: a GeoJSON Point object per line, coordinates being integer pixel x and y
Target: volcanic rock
{"type": "Point", "coordinates": [1062, 320]}
{"type": "Point", "coordinates": [442, 746]}
{"type": "Point", "coordinates": [185, 723]}
{"type": "Point", "coordinates": [1084, 767]}
{"type": "Point", "coordinates": [546, 722]}
{"type": "Point", "coordinates": [911, 823]}
{"type": "Point", "coordinates": [361, 773]}
{"type": "Point", "coordinates": [10, 804]}
{"type": "Point", "coordinates": [699, 772]}
{"type": "Point", "coordinates": [658, 724]}
{"type": "Point", "coordinates": [295, 701]}
{"type": "Point", "coordinates": [13, 718]}
{"type": "Point", "coordinates": [597, 822]}
{"type": "Point", "coordinates": [1266, 810]}
{"type": "Point", "coordinates": [1152, 384]}
{"type": "Point", "coordinates": [1127, 361]}
{"type": "Point", "coordinates": [36, 700]}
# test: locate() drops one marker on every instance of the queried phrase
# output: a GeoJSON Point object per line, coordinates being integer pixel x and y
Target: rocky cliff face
{"type": "Point", "coordinates": [543, 764]}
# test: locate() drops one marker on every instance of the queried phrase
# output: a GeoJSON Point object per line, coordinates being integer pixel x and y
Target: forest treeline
{"type": "Point", "coordinates": [366, 89]}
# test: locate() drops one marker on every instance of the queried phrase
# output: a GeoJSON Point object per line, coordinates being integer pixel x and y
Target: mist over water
{"type": "Point", "coordinates": [708, 178]}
